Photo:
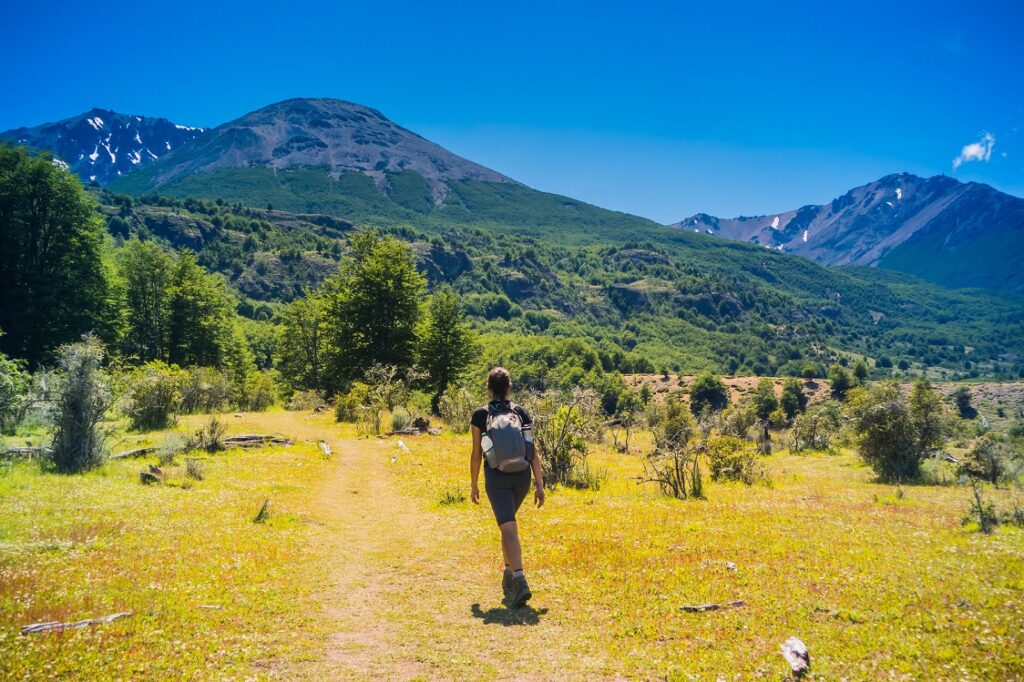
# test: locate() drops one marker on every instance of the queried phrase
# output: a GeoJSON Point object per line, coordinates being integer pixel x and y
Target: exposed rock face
{"type": "Point", "coordinates": [439, 264]}
{"type": "Point", "coordinates": [101, 145]}
{"type": "Point", "coordinates": [339, 136]}
{"type": "Point", "coordinates": [958, 234]}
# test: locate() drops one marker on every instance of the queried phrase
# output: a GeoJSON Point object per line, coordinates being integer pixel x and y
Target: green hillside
{"type": "Point", "coordinates": [532, 263]}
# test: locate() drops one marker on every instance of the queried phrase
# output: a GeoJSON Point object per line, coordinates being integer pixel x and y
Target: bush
{"type": "Point", "coordinates": [730, 459]}
{"type": "Point", "coordinates": [205, 390]}
{"type": "Point", "coordinates": [889, 433]}
{"type": "Point", "coordinates": [456, 408]}
{"type": "Point", "coordinates": [737, 422]}
{"type": "Point", "coordinates": [209, 437]}
{"type": "Point", "coordinates": [793, 398]}
{"type": "Point", "coordinates": [708, 393]}
{"type": "Point", "coordinates": [673, 426]}
{"type": "Point", "coordinates": [962, 400]}
{"type": "Point", "coordinates": [988, 461]}
{"type": "Point", "coordinates": [83, 398]}
{"type": "Point", "coordinates": [676, 470]}
{"type": "Point", "coordinates": [347, 405]}
{"type": "Point", "coordinates": [562, 429]}
{"type": "Point", "coordinates": [259, 391]}
{"type": "Point", "coordinates": [14, 386]}
{"type": "Point", "coordinates": [306, 400]}
{"type": "Point", "coordinates": [400, 419]}
{"type": "Point", "coordinates": [153, 396]}
{"type": "Point", "coordinates": [763, 401]}
{"type": "Point", "coordinates": [815, 430]}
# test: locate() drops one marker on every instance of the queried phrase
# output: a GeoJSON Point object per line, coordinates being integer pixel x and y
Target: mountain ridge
{"type": "Point", "coordinates": [950, 232]}
{"type": "Point", "coordinates": [101, 145]}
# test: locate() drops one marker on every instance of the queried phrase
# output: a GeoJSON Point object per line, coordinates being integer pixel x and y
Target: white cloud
{"type": "Point", "coordinates": [976, 151]}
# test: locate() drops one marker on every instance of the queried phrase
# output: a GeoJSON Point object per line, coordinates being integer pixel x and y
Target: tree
{"type": "Point", "coordinates": [793, 398]}
{"type": "Point", "coordinates": [302, 345]}
{"type": "Point", "coordinates": [14, 384]}
{"type": "Point", "coordinates": [83, 398]}
{"type": "Point", "coordinates": [840, 381]}
{"type": "Point", "coordinates": [146, 273]}
{"type": "Point", "coordinates": [860, 372]}
{"type": "Point", "coordinates": [929, 415]}
{"type": "Point", "coordinates": [708, 392]}
{"type": "Point", "coordinates": [962, 400]}
{"type": "Point", "coordinates": [893, 435]}
{"type": "Point", "coordinates": [447, 344]}
{"type": "Point", "coordinates": [53, 283]}
{"type": "Point", "coordinates": [373, 304]}
{"type": "Point", "coordinates": [199, 316]}
{"type": "Point", "coordinates": [763, 400]}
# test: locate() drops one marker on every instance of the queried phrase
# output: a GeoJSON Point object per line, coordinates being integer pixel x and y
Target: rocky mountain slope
{"type": "Point", "coordinates": [339, 137]}
{"type": "Point", "coordinates": [101, 145]}
{"type": "Point", "coordinates": [956, 234]}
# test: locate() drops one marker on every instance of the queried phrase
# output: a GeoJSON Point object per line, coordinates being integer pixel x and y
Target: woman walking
{"type": "Point", "coordinates": [503, 436]}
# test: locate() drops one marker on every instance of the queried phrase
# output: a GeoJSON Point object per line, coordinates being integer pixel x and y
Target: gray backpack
{"type": "Point", "coordinates": [508, 442]}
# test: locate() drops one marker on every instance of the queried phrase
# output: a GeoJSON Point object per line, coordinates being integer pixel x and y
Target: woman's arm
{"type": "Point", "coordinates": [474, 465]}
{"type": "Point", "coordinates": [538, 477]}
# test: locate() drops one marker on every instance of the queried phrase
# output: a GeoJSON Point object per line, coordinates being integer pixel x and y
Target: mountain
{"type": "Point", "coordinates": [336, 136]}
{"type": "Point", "coordinates": [101, 145]}
{"type": "Point", "coordinates": [953, 233]}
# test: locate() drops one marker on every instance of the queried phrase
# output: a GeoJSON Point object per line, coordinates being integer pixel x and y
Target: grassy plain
{"type": "Point", "coordinates": [367, 569]}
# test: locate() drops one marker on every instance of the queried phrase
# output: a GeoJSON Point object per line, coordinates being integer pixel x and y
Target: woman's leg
{"type": "Point", "coordinates": [510, 545]}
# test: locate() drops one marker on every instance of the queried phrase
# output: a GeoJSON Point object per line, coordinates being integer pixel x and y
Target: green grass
{"type": "Point", "coordinates": [373, 566]}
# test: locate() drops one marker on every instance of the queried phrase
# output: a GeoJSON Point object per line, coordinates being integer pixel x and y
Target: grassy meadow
{"type": "Point", "coordinates": [374, 564]}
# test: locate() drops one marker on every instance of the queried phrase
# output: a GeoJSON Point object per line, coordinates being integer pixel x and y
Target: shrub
{"type": "Point", "coordinates": [456, 408]}
{"type": "Point", "coordinates": [83, 398]}
{"type": "Point", "coordinates": [347, 405]}
{"type": "Point", "coordinates": [562, 429]}
{"type": "Point", "coordinates": [763, 401]}
{"type": "Point", "coordinates": [153, 396]}
{"type": "Point", "coordinates": [676, 470]}
{"type": "Point", "coordinates": [737, 422]}
{"type": "Point", "coordinates": [793, 398]}
{"type": "Point", "coordinates": [815, 430]}
{"type": "Point", "coordinates": [988, 461]}
{"type": "Point", "coordinates": [888, 438]}
{"type": "Point", "coordinates": [453, 495]}
{"type": "Point", "coordinates": [306, 400]}
{"type": "Point", "coordinates": [259, 391]}
{"type": "Point", "coordinates": [673, 427]}
{"type": "Point", "coordinates": [205, 390]}
{"type": "Point", "coordinates": [778, 418]}
{"type": "Point", "coordinates": [14, 386]}
{"type": "Point", "coordinates": [368, 420]}
{"type": "Point", "coordinates": [840, 381]}
{"type": "Point", "coordinates": [708, 392]}
{"type": "Point", "coordinates": [731, 459]}
{"type": "Point", "coordinates": [400, 419]}
{"type": "Point", "coordinates": [962, 400]}
{"type": "Point", "coordinates": [209, 437]}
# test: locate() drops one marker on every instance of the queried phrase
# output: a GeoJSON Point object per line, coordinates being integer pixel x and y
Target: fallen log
{"type": "Point", "coordinates": [29, 451]}
{"type": "Point", "coordinates": [714, 607]}
{"type": "Point", "coordinates": [137, 452]}
{"type": "Point", "coordinates": [58, 626]}
{"type": "Point", "coordinates": [254, 440]}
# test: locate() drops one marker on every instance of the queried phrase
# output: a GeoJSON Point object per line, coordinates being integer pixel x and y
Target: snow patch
{"type": "Point", "coordinates": [151, 153]}
{"type": "Point", "coordinates": [92, 178]}
{"type": "Point", "coordinates": [805, 236]}
{"type": "Point", "coordinates": [134, 157]}
{"type": "Point", "coordinates": [137, 138]}
{"type": "Point", "coordinates": [775, 223]}
{"type": "Point", "coordinates": [96, 123]}
{"type": "Point", "coordinates": [890, 204]}
{"type": "Point", "coordinates": [95, 154]}
{"type": "Point", "coordinates": [168, 146]}
{"type": "Point", "coordinates": [180, 127]}
{"type": "Point", "coordinates": [113, 158]}
{"type": "Point", "coordinates": [899, 194]}
{"type": "Point", "coordinates": [709, 231]}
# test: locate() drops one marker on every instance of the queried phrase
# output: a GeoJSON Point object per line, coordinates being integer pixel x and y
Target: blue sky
{"type": "Point", "coordinates": [657, 109]}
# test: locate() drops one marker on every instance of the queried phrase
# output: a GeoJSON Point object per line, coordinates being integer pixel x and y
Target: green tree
{"type": "Point", "coordinates": [929, 414]}
{"type": "Point", "coordinates": [83, 397]}
{"type": "Point", "coordinates": [447, 345]}
{"type": "Point", "coordinates": [708, 392]}
{"type": "Point", "coordinates": [962, 400]}
{"type": "Point", "coordinates": [763, 400]}
{"type": "Point", "coordinates": [145, 271]}
{"type": "Point", "coordinates": [860, 372]}
{"type": "Point", "coordinates": [373, 305]}
{"type": "Point", "coordinates": [14, 384]}
{"type": "Point", "coordinates": [53, 282]}
{"type": "Point", "coordinates": [302, 344]}
{"type": "Point", "coordinates": [840, 381]}
{"type": "Point", "coordinates": [793, 398]}
{"type": "Point", "coordinates": [199, 316]}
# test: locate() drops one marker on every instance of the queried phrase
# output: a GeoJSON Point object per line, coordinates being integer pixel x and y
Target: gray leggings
{"type": "Point", "coordinates": [506, 492]}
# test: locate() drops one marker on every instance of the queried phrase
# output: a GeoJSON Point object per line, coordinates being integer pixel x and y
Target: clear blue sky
{"type": "Point", "coordinates": [651, 108]}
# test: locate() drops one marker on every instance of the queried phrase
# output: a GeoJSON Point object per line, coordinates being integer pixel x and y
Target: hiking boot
{"type": "Point", "coordinates": [520, 593]}
{"type": "Point", "coordinates": [506, 581]}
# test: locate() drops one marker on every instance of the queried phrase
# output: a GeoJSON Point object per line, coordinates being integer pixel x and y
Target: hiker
{"type": "Point", "coordinates": [503, 435]}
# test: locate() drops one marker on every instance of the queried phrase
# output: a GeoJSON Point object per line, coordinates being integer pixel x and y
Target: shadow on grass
{"type": "Point", "coordinates": [524, 615]}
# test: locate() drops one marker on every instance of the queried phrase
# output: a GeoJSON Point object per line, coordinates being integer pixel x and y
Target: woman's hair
{"type": "Point", "coordinates": [498, 383]}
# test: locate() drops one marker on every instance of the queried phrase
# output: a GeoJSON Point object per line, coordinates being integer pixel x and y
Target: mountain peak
{"type": "Point", "coordinates": [343, 137]}
{"type": "Point", "coordinates": [101, 145]}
